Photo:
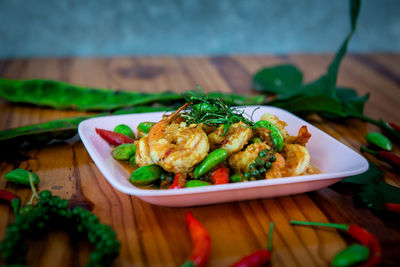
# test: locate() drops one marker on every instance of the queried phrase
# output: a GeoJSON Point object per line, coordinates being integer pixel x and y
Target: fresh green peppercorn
{"type": "Point", "coordinates": [268, 165]}
{"type": "Point", "coordinates": [262, 153]}
{"type": "Point", "coordinates": [252, 166]}
{"type": "Point", "coordinates": [272, 158]}
{"type": "Point", "coordinates": [246, 175]}
{"type": "Point", "coordinates": [263, 170]}
{"type": "Point", "coordinates": [125, 130]}
{"type": "Point", "coordinates": [259, 162]}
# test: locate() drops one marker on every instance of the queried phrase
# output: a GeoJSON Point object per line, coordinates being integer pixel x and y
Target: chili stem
{"type": "Point", "coordinates": [35, 193]}
{"type": "Point", "coordinates": [344, 227]}
{"type": "Point", "coordinates": [270, 234]}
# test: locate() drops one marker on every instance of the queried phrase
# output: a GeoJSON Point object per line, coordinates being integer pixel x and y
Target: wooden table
{"type": "Point", "coordinates": [157, 236]}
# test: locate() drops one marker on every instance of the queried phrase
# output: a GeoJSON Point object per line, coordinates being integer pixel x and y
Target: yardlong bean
{"type": "Point", "coordinates": [62, 95]}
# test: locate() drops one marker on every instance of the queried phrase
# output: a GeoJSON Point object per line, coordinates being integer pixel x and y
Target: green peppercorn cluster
{"type": "Point", "coordinates": [261, 165]}
{"type": "Point", "coordinates": [33, 221]}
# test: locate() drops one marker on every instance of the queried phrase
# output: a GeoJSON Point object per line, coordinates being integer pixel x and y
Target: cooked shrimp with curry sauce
{"type": "Point", "coordinates": [206, 142]}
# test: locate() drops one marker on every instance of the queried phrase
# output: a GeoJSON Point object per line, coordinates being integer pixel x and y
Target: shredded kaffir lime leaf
{"type": "Point", "coordinates": [212, 111]}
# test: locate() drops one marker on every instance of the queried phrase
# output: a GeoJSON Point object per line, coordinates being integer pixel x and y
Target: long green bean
{"type": "Point", "coordinates": [62, 95]}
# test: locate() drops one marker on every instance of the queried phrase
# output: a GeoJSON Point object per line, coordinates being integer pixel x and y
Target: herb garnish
{"type": "Point", "coordinates": [212, 111]}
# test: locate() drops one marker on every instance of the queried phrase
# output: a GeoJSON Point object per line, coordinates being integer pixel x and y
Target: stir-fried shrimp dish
{"type": "Point", "coordinates": [206, 142]}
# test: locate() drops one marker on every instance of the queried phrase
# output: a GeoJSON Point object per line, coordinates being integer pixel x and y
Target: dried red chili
{"type": "Point", "coordinates": [114, 138]}
{"type": "Point", "coordinates": [388, 157]}
{"type": "Point", "coordinates": [395, 207]}
{"type": "Point", "coordinates": [11, 199]}
{"type": "Point", "coordinates": [394, 126]}
{"type": "Point", "coordinates": [201, 242]}
{"type": "Point", "coordinates": [260, 257]}
{"type": "Point", "coordinates": [358, 233]}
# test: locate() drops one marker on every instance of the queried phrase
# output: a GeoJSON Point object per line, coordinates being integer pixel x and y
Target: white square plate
{"type": "Point", "coordinates": [334, 159]}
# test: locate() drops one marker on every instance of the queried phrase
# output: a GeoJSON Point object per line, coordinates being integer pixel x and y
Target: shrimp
{"type": "Point", "coordinates": [277, 167]}
{"type": "Point", "coordinates": [297, 159]}
{"type": "Point", "coordinates": [142, 156]}
{"type": "Point", "coordinates": [241, 160]}
{"type": "Point", "coordinates": [234, 139]}
{"type": "Point", "coordinates": [302, 137]}
{"type": "Point", "coordinates": [176, 147]}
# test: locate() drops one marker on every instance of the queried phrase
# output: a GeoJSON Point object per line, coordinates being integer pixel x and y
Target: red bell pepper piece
{"type": "Point", "coordinates": [201, 242]}
{"type": "Point", "coordinates": [114, 138]}
{"type": "Point", "coordinates": [358, 233]}
{"type": "Point", "coordinates": [220, 175]}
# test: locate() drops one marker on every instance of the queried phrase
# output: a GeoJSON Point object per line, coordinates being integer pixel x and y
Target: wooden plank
{"type": "Point", "coordinates": [158, 236]}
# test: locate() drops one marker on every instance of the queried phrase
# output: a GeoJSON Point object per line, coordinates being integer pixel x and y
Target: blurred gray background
{"type": "Point", "coordinates": [37, 28]}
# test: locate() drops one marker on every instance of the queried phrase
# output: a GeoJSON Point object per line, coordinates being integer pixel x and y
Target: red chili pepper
{"type": "Point", "coordinates": [394, 126]}
{"type": "Point", "coordinates": [260, 257]}
{"type": "Point", "coordinates": [385, 156]}
{"type": "Point", "coordinates": [114, 138]}
{"type": "Point", "coordinates": [395, 207]}
{"type": "Point", "coordinates": [358, 233]}
{"type": "Point", "coordinates": [257, 258]}
{"type": "Point", "coordinates": [201, 242]}
{"type": "Point", "coordinates": [220, 175]}
{"type": "Point", "coordinates": [179, 181]}
{"type": "Point", "coordinates": [11, 199]}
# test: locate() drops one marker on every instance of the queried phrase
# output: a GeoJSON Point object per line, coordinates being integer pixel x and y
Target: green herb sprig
{"type": "Point", "coordinates": [212, 111]}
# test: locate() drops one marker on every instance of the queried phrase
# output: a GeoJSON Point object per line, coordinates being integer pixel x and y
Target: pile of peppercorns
{"type": "Point", "coordinates": [33, 221]}
{"type": "Point", "coordinates": [261, 165]}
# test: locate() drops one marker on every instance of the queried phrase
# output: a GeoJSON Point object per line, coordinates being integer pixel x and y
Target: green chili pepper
{"type": "Point", "coordinates": [146, 175]}
{"type": "Point", "coordinates": [21, 177]}
{"type": "Point", "coordinates": [275, 135]}
{"type": "Point", "coordinates": [196, 183]}
{"type": "Point", "coordinates": [211, 161]}
{"type": "Point", "coordinates": [236, 178]}
{"type": "Point", "coordinates": [350, 256]}
{"type": "Point", "coordinates": [124, 151]}
{"type": "Point", "coordinates": [125, 130]}
{"type": "Point", "coordinates": [379, 140]}
{"type": "Point", "coordinates": [145, 126]}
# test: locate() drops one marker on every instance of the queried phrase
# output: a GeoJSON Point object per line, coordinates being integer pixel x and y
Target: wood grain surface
{"type": "Point", "coordinates": [158, 236]}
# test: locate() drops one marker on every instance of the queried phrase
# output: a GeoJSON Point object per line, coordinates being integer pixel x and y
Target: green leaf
{"type": "Point", "coordinates": [372, 175]}
{"type": "Point", "coordinates": [280, 80]}
{"type": "Point", "coordinates": [376, 195]}
{"type": "Point", "coordinates": [310, 104]}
